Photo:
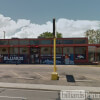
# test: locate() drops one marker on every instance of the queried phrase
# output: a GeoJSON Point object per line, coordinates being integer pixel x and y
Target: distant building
{"type": "Point", "coordinates": [40, 51]}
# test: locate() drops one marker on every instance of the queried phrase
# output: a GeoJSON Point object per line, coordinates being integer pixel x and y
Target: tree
{"type": "Point", "coordinates": [49, 35]}
{"type": "Point", "coordinates": [93, 36]}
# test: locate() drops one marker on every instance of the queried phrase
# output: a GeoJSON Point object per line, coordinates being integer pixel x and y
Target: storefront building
{"type": "Point", "coordinates": [40, 51]}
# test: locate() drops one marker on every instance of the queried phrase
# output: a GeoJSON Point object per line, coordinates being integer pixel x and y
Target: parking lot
{"type": "Point", "coordinates": [41, 74]}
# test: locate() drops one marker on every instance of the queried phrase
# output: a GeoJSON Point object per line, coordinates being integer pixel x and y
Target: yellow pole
{"type": "Point", "coordinates": [55, 54]}
{"type": "Point", "coordinates": [54, 75]}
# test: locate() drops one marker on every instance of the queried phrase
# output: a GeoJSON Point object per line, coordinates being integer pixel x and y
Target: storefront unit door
{"type": "Point", "coordinates": [34, 55]}
{"type": "Point", "coordinates": [69, 55]}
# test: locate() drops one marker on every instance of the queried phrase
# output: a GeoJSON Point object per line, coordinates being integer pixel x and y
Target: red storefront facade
{"type": "Point", "coordinates": [40, 51]}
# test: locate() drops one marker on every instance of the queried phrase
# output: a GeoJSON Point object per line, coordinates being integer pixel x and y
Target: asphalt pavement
{"type": "Point", "coordinates": [33, 82]}
{"type": "Point", "coordinates": [69, 75]}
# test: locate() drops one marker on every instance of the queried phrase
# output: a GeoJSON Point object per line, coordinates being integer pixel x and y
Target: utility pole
{"type": "Point", "coordinates": [54, 75]}
{"type": "Point", "coordinates": [4, 34]}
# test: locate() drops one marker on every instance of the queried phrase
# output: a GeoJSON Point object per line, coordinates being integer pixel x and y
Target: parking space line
{"type": "Point", "coordinates": [20, 77]}
{"type": "Point", "coordinates": [15, 74]}
{"type": "Point", "coordinates": [40, 75]}
{"type": "Point", "coordinates": [44, 72]}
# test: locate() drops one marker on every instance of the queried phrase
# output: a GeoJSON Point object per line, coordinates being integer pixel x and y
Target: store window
{"type": "Point", "coordinates": [24, 42]}
{"type": "Point", "coordinates": [67, 41]}
{"type": "Point", "coordinates": [58, 51]}
{"type": "Point", "coordinates": [45, 51]}
{"type": "Point", "coordinates": [80, 53]}
{"type": "Point", "coordinates": [67, 50]}
{"type": "Point", "coordinates": [3, 50]}
{"type": "Point", "coordinates": [3, 42]}
{"type": "Point", "coordinates": [59, 42]}
{"type": "Point", "coordinates": [45, 42]}
{"type": "Point", "coordinates": [34, 42]}
{"type": "Point", "coordinates": [13, 42]}
{"type": "Point", "coordinates": [24, 50]}
{"type": "Point", "coordinates": [80, 41]}
{"type": "Point", "coordinates": [13, 50]}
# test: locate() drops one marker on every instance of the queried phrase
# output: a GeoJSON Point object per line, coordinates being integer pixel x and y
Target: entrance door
{"type": "Point", "coordinates": [69, 55]}
{"type": "Point", "coordinates": [34, 53]}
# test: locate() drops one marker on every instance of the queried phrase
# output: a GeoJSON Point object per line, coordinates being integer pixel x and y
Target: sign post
{"type": "Point", "coordinates": [54, 75]}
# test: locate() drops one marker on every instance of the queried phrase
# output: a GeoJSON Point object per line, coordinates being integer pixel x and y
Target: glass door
{"type": "Point", "coordinates": [34, 54]}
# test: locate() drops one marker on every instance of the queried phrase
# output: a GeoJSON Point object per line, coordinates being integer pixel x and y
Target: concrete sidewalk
{"type": "Point", "coordinates": [47, 87]}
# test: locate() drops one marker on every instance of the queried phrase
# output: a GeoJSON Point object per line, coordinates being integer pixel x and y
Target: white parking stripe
{"type": "Point", "coordinates": [17, 75]}
{"type": "Point", "coordinates": [40, 75]}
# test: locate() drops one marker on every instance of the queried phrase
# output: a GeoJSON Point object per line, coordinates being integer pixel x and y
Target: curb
{"type": "Point", "coordinates": [47, 87]}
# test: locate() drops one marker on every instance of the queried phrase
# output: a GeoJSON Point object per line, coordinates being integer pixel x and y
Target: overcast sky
{"type": "Point", "coordinates": [29, 18]}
